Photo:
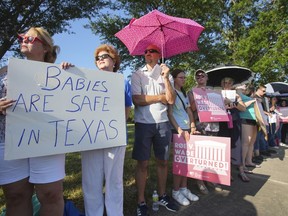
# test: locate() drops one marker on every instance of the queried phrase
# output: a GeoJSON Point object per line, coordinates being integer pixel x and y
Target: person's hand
{"type": "Point", "coordinates": [194, 131]}
{"type": "Point", "coordinates": [4, 104]}
{"type": "Point", "coordinates": [163, 99]}
{"type": "Point", "coordinates": [165, 70]}
{"type": "Point", "coordinates": [186, 136]}
{"type": "Point", "coordinates": [231, 106]}
{"type": "Point", "coordinates": [227, 101]}
{"type": "Point", "coordinates": [272, 108]}
{"type": "Point", "coordinates": [66, 65]}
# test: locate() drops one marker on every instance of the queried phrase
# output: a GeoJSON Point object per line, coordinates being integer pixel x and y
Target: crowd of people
{"type": "Point", "coordinates": [162, 108]}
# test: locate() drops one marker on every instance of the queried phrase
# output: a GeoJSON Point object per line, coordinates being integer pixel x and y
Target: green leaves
{"type": "Point", "coordinates": [53, 15]}
{"type": "Point", "coordinates": [249, 33]}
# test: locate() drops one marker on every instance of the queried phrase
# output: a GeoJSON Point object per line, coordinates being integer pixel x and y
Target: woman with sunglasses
{"type": "Point", "coordinates": [205, 128]}
{"type": "Point", "coordinates": [18, 178]}
{"type": "Point", "coordinates": [108, 163]}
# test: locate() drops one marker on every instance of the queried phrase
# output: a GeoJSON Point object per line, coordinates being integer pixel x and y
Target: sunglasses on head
{"type": "Point", "coordinates": [151, 51]}
{"type": "Point", "coordinates": [28, 39]}
{"type": "Point", "coordinates": [101, 57]}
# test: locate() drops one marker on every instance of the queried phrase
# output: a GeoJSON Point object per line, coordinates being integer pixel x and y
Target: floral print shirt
{"type": "Point", "coordinates": [3, 91]}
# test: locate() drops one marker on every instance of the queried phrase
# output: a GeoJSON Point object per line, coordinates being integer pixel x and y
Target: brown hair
{"type": "Point", "coordinates": [112, 52]}
{"type": "Point", "coordinates": [174, 74]}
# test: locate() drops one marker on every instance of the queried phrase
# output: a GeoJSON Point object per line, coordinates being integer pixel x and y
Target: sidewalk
{"type": "Point", "coordinates": [266, 194]}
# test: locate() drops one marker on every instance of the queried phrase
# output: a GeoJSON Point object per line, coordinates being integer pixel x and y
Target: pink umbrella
{"type": "Point", "coordinates": [173, 35]}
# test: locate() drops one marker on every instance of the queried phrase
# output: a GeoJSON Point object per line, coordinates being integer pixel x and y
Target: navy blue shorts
{"type": "Point", "coordinates": [158, 134]}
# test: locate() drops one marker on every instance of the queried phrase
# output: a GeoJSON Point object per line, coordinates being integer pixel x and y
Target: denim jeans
{"type": "Point", "coordinates": [260, 143]}
{"type": "Point", "coordinates": [271, 134]}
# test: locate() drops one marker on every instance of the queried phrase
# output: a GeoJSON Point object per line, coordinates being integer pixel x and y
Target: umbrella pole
{"type": "Point", "coordinates": [162, 53]}
{"type": "Point", "coordinates": [163, 43]}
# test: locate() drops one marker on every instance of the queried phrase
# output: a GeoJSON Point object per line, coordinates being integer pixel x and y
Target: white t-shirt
{"type": "Point", "coordinates": [144, 82]}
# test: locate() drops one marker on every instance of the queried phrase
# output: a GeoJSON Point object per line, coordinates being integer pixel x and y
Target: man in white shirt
{"type": "Point", "coordinates": [152, 89]}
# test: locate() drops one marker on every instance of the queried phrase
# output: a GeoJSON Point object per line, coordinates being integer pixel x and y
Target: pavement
{"type": "Point", "coordinates": [266, 194]}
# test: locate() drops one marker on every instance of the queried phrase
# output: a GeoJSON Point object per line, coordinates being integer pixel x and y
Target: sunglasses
{"type": "Point", "coordinates": [101, 57]}
{"type": "Point", "coordinates": [29, 39]}
{"type": "Point", "coordinates": [151, 51]}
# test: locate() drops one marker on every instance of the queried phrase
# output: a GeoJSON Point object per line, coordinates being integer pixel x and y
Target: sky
{"type": "Point", "coordinates": [78, 48]}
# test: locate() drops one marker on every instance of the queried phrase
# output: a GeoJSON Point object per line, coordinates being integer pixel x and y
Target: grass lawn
{"type": "Point", "coordinates": [72, 183]}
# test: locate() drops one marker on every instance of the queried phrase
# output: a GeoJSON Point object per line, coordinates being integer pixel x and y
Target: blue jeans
{"type": "Point", "coordinates": [271, 134]}
{"type": "Point", "coordinates": [260, 143]}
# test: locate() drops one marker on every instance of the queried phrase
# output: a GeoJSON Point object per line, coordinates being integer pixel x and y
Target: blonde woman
{"type": "Point", "coordinates": [234, 108]}
{"type": "Point", "coordinates": [18, 178]}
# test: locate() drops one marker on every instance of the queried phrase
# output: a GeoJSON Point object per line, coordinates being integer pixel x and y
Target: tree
{"type": "Point", "coordinates": [248, 33]}
{"type": "Point", "coordinates": [264, 47]}
{"type": "Point", "coordinates": [53, 15]}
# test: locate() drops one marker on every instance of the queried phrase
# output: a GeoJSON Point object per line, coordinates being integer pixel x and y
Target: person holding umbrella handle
{"type": "Point", "coordinates": [152, 90]}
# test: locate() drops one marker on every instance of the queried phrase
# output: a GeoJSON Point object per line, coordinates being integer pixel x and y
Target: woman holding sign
{"type": "Point", "coordinates": [181, 118]}
{"type": "Point", "coordinates": [105, 164]}
{"type": "Point", "coordinates": [206, 128]}
{"type": "Point", "coordinates": [19, 177]}
{"type": "Point", "coordinates": [234, 105]}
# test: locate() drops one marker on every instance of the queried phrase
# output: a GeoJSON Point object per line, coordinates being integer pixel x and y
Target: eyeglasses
{"type": "Point", "coordinates": [151, 51]}
{"type": "Point", "coordinates": [101, 57]}
{"type": "Point", "coordinates": [29, 39]}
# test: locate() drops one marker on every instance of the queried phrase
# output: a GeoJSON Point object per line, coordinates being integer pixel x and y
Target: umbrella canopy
{"type": "Point", "coordinates": [173, 35]}
{"type": "Point", "coordinates": [240, 75]}
{"type": "Point", "coordinates": [277, 87]}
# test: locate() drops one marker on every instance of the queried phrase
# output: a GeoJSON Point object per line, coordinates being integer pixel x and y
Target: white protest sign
{"type": "Point", "coordinates": [229, 94]}
{"type": "Point", "coordinates": [58, 111]}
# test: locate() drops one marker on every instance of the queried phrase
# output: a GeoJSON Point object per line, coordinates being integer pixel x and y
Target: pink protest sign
{"type": "Point", "coordinates": [284, 116]}
{"type": "Point", "coordinates": [203, 157]}
{"type": "Point", "coordinates": [210, 105]}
